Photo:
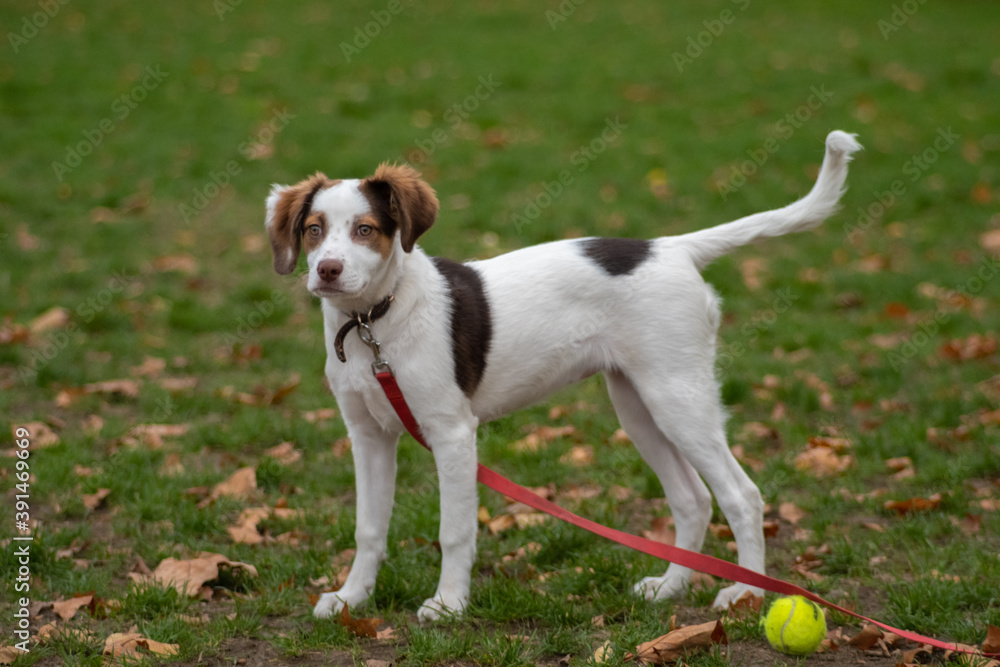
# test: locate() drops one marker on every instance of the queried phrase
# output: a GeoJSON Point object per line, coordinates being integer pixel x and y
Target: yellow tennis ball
{"type": "Point", "coordinates": [795, 625]}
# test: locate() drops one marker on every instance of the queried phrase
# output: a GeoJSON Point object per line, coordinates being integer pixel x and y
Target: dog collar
{"type": "Point", "coordinates": [357, 319]}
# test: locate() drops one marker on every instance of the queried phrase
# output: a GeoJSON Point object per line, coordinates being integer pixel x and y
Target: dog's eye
{"type": "Point", "coordinates": [365, 230]}
{"type": "Point", "coordinates": [314, 230]}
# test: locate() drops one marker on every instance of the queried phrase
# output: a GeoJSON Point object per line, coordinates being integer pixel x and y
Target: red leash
{"type": "Point", "coordinates": [696, 561]}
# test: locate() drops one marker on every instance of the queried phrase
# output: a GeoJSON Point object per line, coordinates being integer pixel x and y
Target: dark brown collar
{"type": "Point", "coordinates": [357, 319]}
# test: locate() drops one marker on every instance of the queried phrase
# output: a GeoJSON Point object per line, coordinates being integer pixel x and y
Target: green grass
{"type": "Point", "coordinates": [102, 240]}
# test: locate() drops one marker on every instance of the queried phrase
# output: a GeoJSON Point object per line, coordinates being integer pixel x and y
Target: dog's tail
{"type": "Point", "coordinates": [821, 202]}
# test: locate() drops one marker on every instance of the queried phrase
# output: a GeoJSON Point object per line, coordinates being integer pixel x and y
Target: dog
{"type": "Point", "coordinates": [471, 342]}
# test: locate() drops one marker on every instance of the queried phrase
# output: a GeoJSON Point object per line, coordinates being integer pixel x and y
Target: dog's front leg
{"type": "Point", "coordinates": [455, 457]}
{"type": "Point", "coordinates": [374, 452]}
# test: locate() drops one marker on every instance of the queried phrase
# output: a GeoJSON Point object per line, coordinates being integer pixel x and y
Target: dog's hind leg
{"type": "Point", "coordinates": [686, 407]}
{"type": "Point", "coordinates": [690, 501]}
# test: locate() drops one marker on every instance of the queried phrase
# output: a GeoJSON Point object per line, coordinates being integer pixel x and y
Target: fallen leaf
{"type": "Point", "coordinates": [579, 455]}
{"type": "Point", "coordinates": [177, 385]}
{"type": "Point", "coordinates": [771, 528]}
{"type": "Point", "coordinates": [56, 632]}
{"type": "Point", "coordinates": [501, 523]}
{"type": "Point", "coordinates": [990, 241]}
{"type": "Point", "coordinates": [320, 415]}
{"type": "Point", "coordinates": [341, 447]}
{"type": "Point", "coordinates": [94, 500]}
{"type": "Point", "coordinates": [241, 484]}
{"type": "Point", "coordinates": [532, 519]}
{"type": "Point", "coordinates": [868, 637]}
{"type": "Point", "coordinates": [916, 504]}
{"type": "Point", "coordinates": [791, 513]}
{"type": "Point", "coordinates": [150, 367]}
{"type": "Point", "coordinates": [680, 643]}
{"type": "Point", "coordinates": [747, 605]}
{"type": "Point", "coordinates": [182, 263]}
{"type": "Point", "coordinates": [39, 434]}
{"type": "Point", "coordinates": [362, 627]}
{"type": "Point", "coordinates": [113, 388]}
{"type": "Point", "coordinates": [976, 346]}
{"type": "Point", "coordinates": [172, 465]}
{"type": "Point", "coordinates": [662, 530]}
{"type": "Point", "coordinates": [9, 653]}
{"type": "Point", "coordinates": [721, 530]}
{"type": "Point", "coordinates": [839, 445]}
{"type": "Point", "coordinates": [132, 643]}
{"type": "Point", "coordinates": [751, 269]}
{"type": "Point", "coordinates": [992, 642]}
{"type": "Point", "coordinates": [188, 576]}
{"type": "Point", "coordinates": [539, 436]}
{"type": "Point", "coordinates": [151, 436]}
{"type": "Point", "coordinates": [66, 609]}
{"type": "Point", "coordinates": [56, 317]}
{"type": "Point", "coordinates": [823, 462]}
{"type": "Point", "coordinates": [602, 654]}
{"type": "Point", "coordinates": [285, 453]}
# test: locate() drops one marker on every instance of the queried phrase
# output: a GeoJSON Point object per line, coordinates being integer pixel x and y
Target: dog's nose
{"type": "Point", "coordinates": [329, 269]}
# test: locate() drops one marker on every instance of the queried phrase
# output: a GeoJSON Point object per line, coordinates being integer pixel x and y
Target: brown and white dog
{"type": "Point", "coordinates": [471, 342]}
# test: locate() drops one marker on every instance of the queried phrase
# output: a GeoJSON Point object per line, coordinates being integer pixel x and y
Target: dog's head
{"type": "Point", "coordinates": [354, 232]}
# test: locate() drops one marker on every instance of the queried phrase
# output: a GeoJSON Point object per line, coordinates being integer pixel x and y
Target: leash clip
{"type": "Point", "coordinates": [368, 338]}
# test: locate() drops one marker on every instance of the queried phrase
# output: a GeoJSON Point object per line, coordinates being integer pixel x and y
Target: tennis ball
{"type": "Point", "coordinates": [795, 625]}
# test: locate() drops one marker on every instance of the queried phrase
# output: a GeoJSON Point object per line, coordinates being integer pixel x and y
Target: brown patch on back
{"type": "Point", "coordinates": [400, 198]}
{"type": "Point", "coordinates": [290, 213]}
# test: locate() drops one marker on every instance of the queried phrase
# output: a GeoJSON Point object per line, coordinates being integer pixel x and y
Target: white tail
{"type": "Point", "coordinates": [821, 202]}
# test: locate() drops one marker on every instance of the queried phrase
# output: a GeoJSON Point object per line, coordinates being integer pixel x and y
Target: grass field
{"type": "Point", "coordinates": [139, 142]}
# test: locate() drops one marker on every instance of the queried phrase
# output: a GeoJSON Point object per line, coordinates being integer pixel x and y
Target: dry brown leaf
{"type": "Point", "coordinates": [771, 528]}
{"type": "Point", "coordinates": [362, 627]}
{"type": "Point", "coordinates": [916, 504]}
{"type": "Point", "coordinates": [112, 388]}
{"type": "Point", "coordinates": [680, 643]}
{"type": "Point", "coordinates": [839, 445]}
{"type": "Point", "coordinates": [285, 453]}
{"type": "Point", "coordinates": [66, 609]}
{"type": "Point", "coordinates": [341, 447]}
{"type": "Point", "coordinates": [94, 500]}
{"type": "Point", "coordinates": [539, 436]}
{"type": "Point", "coordinates": [976, 346]}
{"type": "Point", "coordinates": [54, 631]}
{"type": "Point", "coordinates": [9, 653]}
{"type": "Point", "coordinates": [823, 462]}
{"type": "Point", "coordinates": [320, 415]}
{"type": "Point", "coordinates": [132, 643]}
{"type": "Point", "coordinates": [746, 605]}
{"type": "Point", "coordinates": [241, 484]}
{"type": "Point", "coordinates": [992, 642]}
{"type": "Point", "coordinates": [990, 241]}
{"type": "Point", "coordinates": [751, 269]}
{"type": "Point", "coordinates": [150, 367]}
{"type": "Point", "coordinates": [172, 465]}
{"type": "Point", "coordinates": [579, 455]}
{"type": "Point", "coordinates": [791, 513]}
{"type": "Point", "coordinates": [182, 263]}
{"type": "Point", "coordinates": [501, 523]}
{"type": "Point", "coordinates": [178, 384]}
{"type": "Point", "coordinates": [531, 519]}
{"type": "Point", "coordinates": [662, 530]}
{"type": "Point", "coordinates": [56, 317]}
{"type": "Point", "coordinates": [188, 576]}
{"type": "Point", "coordinates": [868, 637]}
{"type": "Point", "coordinates": [721, 531]}
{"type": "Point", "coordinates": [151, 436]}
{"type": "Point", "coordinates": [40, 434]}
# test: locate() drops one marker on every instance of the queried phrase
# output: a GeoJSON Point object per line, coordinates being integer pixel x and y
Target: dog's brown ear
{"type": "Point", "coordinates": [288, 207]}
{"type": "Point", "coordinates": [399, 193]}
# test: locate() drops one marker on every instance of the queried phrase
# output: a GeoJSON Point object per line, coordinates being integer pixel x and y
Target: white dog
{"type": "Point", "coordinates": [470, 342]}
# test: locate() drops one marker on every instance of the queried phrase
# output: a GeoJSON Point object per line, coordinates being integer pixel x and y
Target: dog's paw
{"type": "Point", "coordinates": [329, 605]}
{"type": "Point", "coordinates": [436, 608]}
{"type": "Point", "coordinates": [667, 587]}
{"type": "Point", "coordinates": [730, 595]}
